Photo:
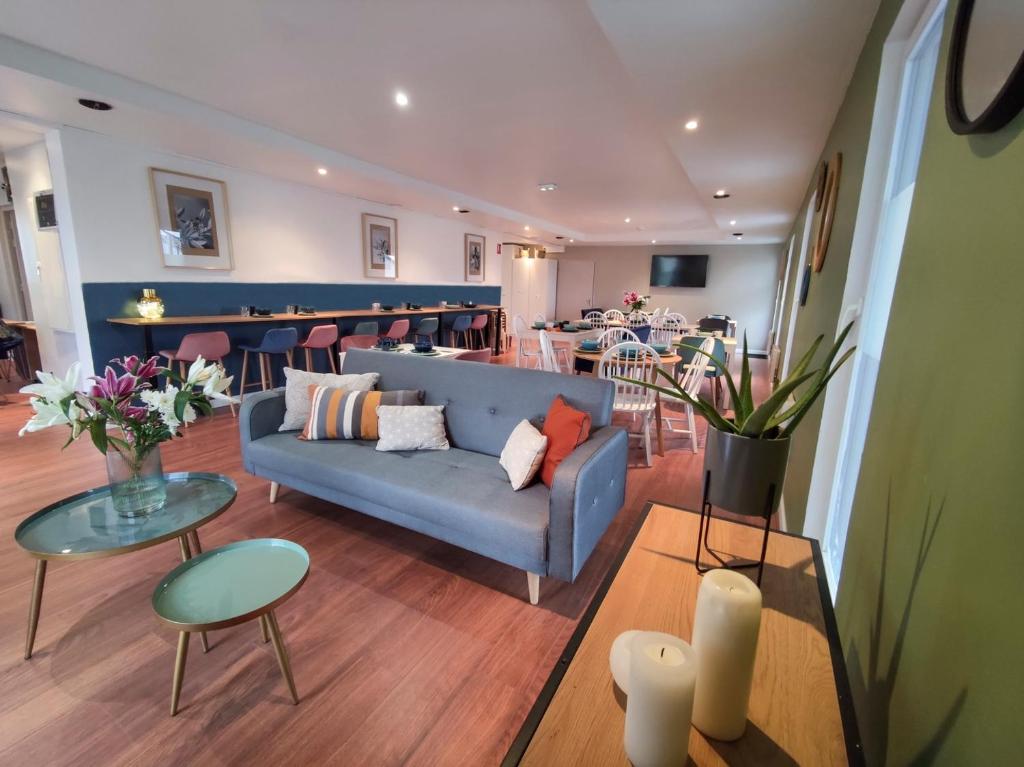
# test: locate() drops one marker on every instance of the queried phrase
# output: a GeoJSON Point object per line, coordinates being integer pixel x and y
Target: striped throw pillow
{"type": "Point", "coordinates": [345, 414]}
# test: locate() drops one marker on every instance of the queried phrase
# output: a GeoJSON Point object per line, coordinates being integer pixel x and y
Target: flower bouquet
{"type": "Point", "coordinates": [143, 414]}
{"type": "Point", "coordinates": [634, 300]}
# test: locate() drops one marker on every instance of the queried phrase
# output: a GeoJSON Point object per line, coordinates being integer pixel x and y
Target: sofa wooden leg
{"type": "Point", "coordinates": [274, 487]}
{"type": "Point", "coordinates": [533, 583]}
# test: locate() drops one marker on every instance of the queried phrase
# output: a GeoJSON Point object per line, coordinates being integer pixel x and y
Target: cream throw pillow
{"type": "Point", "coordinates": [297, 403]}
{"type": "Point", "coordinates": [523, 454]}
{"type": "Point", "coordinates": [411, 427]}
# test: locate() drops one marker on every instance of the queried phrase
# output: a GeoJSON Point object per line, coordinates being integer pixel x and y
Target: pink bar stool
{"type": "Point", "coordinates": [321, 337]}
{"type": "Point", "coordinates": [398, 330]}
{"type": "Point", "coordinates": [477, 355]}
{"type": "Point", "coordinates": [478, 324]}
{"type": "Point", "coordinates": [213, 346]}
{"type": "Point", "coordinates": [358, 342]}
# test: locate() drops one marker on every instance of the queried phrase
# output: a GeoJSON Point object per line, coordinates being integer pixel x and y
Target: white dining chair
{"type": "Point", "coordinates": [664, 329]}
{"type": "Point", "coordinates": [614, 315]}
{"type": "Point", "coordinates": [548, 361]}
{"type": "Point", "coordinates": [678, 317]}
{"type": "Point", "coordinates": [613, 336]}
{"type": "Point", "coordinates": [691, 380]}
{"type": "Point", "coordinates": [638, 319]}
{"type": "Point", "coordinates": [525, 352]}
{"type": "Point", "coordinates": [638, 362]}
{"type": "Point", "coordinates": [539, 317]}
{"type": "Point", "coordinates": [657, 312]}
{"type": "Point", "coordinates": [596, 319]}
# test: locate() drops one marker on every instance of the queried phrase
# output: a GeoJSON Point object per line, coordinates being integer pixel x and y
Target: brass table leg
{"type": "Point", "coordinates": [282, 654]}
{"type": "Point", "coordinates": [263, 629]}
{"type": "Point", "coordinates": [186, 555]}
{"type": "Point", "coordinates": [197, 547]}
{"type": "Point", "coordinates": [33, 610]}
{"type": "Point", "coordinates": [179, 670]}
{"type": "Point", "coordinates": [657, 426]}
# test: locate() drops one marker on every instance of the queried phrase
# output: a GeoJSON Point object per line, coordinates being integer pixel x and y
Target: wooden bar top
{"type": "Point", "coordinates": [332, 314]}
{"type": "Point", "coordinates": [800, 682]}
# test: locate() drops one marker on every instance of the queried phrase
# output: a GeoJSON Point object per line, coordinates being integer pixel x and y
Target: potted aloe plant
{"type": "Point", "coordinates": [747, 451]}
{"type": "Point", "coordinates": [143, 414]}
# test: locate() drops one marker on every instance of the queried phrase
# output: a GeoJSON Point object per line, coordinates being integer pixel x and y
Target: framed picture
{"type": "Point", "coordinates": [192, 220]}
{"type": "Point", "coordinates": [380, 246]}
{"type": "Point", "coordinates": [475, 255]}
{"type": "Point", "coordinates": [46, 214]}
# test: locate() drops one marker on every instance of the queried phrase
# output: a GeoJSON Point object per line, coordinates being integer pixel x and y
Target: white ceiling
{"type": "Point", "coordinates": [505, 94]}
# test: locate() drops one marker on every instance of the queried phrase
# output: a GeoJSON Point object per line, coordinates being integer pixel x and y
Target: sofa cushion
{"type": "Point", "coordinates": [411, 427]}
{"type": "Point", "coordinates": [565, 427]}
{"type": "Point", "coordinates": [345, 414]}
{"type": "Point", "coordinates": [460, 490]}
{"type": "Point", "coordinates": [296, 392]}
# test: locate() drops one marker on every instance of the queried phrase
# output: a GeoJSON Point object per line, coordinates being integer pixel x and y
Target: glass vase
{"type": "Point", "coordinates": [137, 486]}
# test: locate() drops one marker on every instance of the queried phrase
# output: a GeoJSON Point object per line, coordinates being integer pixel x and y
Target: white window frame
{"type": "Point", "coordinates": [868, 291]}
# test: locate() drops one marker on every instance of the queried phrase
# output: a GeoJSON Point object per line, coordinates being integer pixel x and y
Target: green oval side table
{"type": "Point", "coordinates": [227, 586]}
{"type": "Point", "coordinates": [86, 526]}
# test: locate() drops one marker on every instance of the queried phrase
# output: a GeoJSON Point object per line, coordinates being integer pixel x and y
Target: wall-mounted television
{"type": "Point", "coordinates": [679, 271]}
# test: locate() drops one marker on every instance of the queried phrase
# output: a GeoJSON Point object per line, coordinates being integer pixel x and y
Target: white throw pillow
{"type": "Point", "coordinates": [523, 454]}
{"type": "Point", "coordinates": [296, 392]}
{"type": "Point", "coordinates": [411, 427]}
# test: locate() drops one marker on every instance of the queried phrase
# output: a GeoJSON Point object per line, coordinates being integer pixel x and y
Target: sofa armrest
{"type": "Point", "coordinates": [261, 414]}
{"type": "Point", "coordinates": [588, 491]}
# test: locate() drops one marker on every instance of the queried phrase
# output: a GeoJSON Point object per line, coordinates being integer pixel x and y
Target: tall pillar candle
{"type": "Point", "coordinates": [662, 675]}
{"type": "Point", "coordinates": [725, 629]}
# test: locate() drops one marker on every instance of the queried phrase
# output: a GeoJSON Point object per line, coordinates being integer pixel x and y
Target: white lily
{"type": "Point", "coordinates": [216, 385]}
{"type": "Point", "coordinates": [46, 414]}
{"type": "Point", "coordinates": [52, 388]}
{"type": "Point", "coordinates": [163, 403]}
{"type": "Point", "coordinates": [199, 372]}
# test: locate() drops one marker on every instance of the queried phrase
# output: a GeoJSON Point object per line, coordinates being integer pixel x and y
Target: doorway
{"type": "Point", "coordinates": [14, 299]}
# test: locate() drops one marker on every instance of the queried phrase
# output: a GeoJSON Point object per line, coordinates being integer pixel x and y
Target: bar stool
{"type": "Point", "coordinates": [321, 337]}
{"type": "Point", "coordinates": [478, 324]}
{"type": "Point", "coordinates": [398, 330]}
{"type": "Point", "coordinates": [427, 327]}
{"type": "Point", "coordinates": [461, 325]}
{"type": "Point", "coordinates": [367, 328]}
{"type": "Point", "coordinates": [275, 341]}
{"type": "Point", "coordinates": [212, 346]}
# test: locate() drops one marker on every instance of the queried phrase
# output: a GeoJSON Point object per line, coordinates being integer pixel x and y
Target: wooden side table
{"type": "Point", "coordinates": [800, 706]}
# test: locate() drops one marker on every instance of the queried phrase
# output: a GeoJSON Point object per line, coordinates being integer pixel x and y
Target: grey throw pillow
{"type": "Point", "coordinates": [411, 427]}
{"type": "Point", "coordinates": [297, 403]}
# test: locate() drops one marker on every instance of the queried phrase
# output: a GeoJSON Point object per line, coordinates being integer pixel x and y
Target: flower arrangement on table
{"type": "Point", "coordinates": [144, 414]}
{"type": "Point", "coordinates": [634, 300]}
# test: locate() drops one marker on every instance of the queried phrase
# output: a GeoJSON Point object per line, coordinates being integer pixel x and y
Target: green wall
{"type": "Point", "coordinates": [930, 606]}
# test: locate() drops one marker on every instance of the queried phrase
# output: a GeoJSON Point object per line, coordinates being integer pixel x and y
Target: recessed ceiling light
{"type": "Point", "coordinates": [455, 208]}
{"type": "Point", "coordinates": [99, 106]}
{"type": "Point", "coordinates": [733, 222]}
{"type": "Point", "coordinates": [527, 227]}
{"type": "Point", "coordinates": [721, 194]}
{"type": "Point", "coordinates": [628, 219]}
{"type": "Point", "coordinates": [654, 242]}
{"type": "Point", "coordinates": [462, 210]}
{"type": "Point", "coordinates": [692, 125]}
{"type": "Point", "coordinates": [401, 98]}
{"type": "Point", "coordinates": [738, 235]}
{"type": "Point", "coordinates": [322, 171]}
{"type": "Point", "coordinates": [548, 187]}
{"type": "Point", "coordinates": [571, 240]}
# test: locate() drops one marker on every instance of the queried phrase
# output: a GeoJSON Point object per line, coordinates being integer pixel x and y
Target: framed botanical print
{"type": "Point", "coordinates": [475, 255]}
{"type": "Point", "coordinates": [380, 246]}
{"type": "Point", "coordinates": [192, 220]}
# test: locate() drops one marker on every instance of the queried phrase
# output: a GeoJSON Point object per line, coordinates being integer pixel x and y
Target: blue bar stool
{"type": "Point", "coordinates": [275, 341]}
{"type": "Point", "coordinates": [461, 325]}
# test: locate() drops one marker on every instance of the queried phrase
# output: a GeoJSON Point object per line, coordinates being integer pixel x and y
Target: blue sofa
{"type": "Point", "coordinates": [461, 495]}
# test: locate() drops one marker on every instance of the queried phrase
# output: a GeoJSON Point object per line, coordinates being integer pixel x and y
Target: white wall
{"type": "Point", "coordinates": [280, 231]}
{"type": "Point", "coordinates": [29, 171]}
{"type": "Point", "coordinates": [741, 282]}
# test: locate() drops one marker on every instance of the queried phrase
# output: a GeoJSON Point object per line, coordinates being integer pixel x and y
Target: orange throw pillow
{"type": "Point", "coordinates": [565, 427]}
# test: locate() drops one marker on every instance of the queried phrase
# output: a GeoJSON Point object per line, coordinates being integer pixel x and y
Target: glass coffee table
{"type": "Point", "coordinates": [86, 526]}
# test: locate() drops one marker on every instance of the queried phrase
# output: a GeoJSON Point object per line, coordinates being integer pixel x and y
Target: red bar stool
{"type": "Point", "coordinates": [399, 329]}
{"type": "Point", "coordinates": [321, 337]}
{"type": "Point", "coordinates": [478, 324]}
{"type": "Point", "coordinates": [212, 346]}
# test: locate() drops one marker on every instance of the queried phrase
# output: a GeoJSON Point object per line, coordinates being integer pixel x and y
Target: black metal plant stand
{"type": "Point", "coordinates": [705, 526]}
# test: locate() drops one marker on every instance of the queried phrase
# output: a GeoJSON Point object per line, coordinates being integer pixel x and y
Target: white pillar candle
{"type": "Point", "coordinates": [662, 676]}
{"type": "Point", "coordinates": [618, 658]}
{"type": "Point", "coordinates": [725, 630]}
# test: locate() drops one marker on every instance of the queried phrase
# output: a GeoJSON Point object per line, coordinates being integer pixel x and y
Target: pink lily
{"type": "Point", "coordinates": [111, 386]}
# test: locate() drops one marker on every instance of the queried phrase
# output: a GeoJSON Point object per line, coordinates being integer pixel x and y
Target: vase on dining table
{"type": "Point", "coordinates": [137, 486]}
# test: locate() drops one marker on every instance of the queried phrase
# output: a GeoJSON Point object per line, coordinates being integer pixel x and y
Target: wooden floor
{"type": "Point", "coordinates": [405, 650]}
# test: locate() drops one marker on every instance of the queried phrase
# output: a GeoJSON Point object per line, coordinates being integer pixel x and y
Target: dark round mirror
{"type": "Point", "coordinates": [985, 75]}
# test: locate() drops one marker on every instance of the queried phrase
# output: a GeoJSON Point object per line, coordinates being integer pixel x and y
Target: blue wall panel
{"type": "Point", "coordinates": [117, 299]}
